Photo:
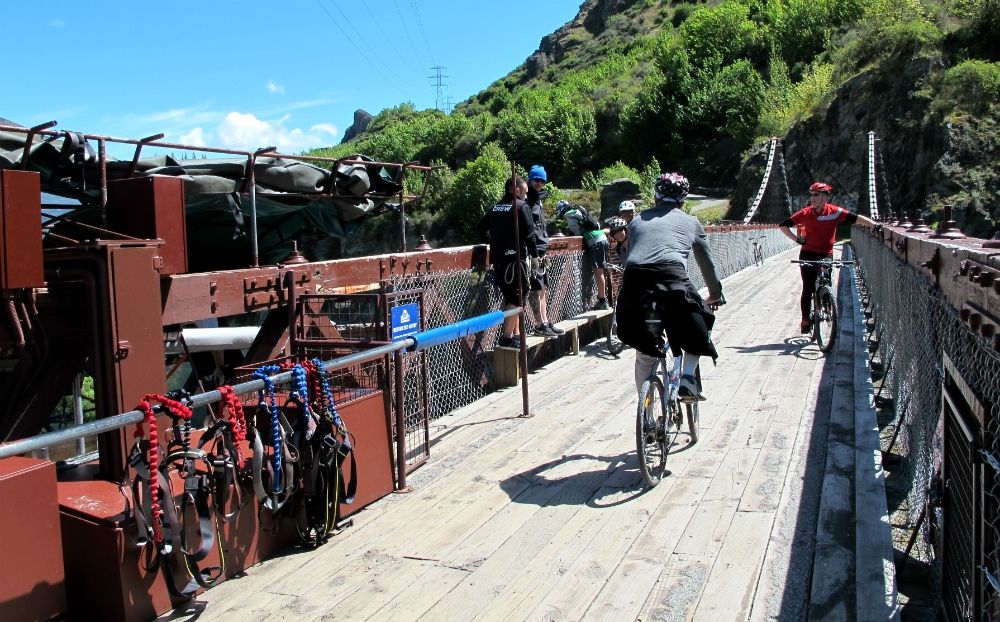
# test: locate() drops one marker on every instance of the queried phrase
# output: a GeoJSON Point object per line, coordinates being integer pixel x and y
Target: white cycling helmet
{"type": "Point", "coordinates": [626, 206]}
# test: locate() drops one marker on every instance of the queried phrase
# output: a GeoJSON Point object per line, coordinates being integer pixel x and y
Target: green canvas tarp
{"type": "Point", "coordinates": [295, 200]}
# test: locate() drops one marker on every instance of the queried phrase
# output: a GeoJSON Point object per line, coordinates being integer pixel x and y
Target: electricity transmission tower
{"type": "Point", "coordinates": [438, 77]}
{"type": "Point", "coordinates": [449, 103]}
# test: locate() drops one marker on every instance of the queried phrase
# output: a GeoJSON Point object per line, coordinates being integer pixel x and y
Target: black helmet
{"type": "Point", "coordinates": [616, 223]}
{"type": "Point", "coordinates": [672, 186]}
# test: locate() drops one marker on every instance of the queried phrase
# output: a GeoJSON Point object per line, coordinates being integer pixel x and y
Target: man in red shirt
{"type": "Point", "coordinates": [817, 226]}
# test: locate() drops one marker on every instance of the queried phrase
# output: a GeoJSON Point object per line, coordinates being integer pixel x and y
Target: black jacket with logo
{"type": "Point", "coordinates": [497, 227]}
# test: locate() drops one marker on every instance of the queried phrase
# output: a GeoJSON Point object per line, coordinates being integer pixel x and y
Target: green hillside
{"type": "Point", "coordinates": [633, 87]}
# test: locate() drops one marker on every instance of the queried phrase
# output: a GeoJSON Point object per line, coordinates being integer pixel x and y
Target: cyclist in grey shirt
{"type": "Point", "coordinates": [661, 240]}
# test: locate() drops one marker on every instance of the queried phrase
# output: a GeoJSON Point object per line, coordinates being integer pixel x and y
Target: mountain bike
{"type": "Point", "coordinates": [824, 315]}
{"type": "Point", "coordinates": [758, 250]}
{"type": "Point", "coordinates": [661, 413]}
{"type": "Point", "coordinates": [613, 274]}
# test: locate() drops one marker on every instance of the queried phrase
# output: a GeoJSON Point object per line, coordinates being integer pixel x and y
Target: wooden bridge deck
{"type": "Point", "coordinates": [546, 518]}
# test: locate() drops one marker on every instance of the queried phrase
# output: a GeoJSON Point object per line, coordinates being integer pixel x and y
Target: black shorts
{"type": "Point", "coordinates": [598, 253]}
{"type": "Point", "coordinates": [538, 281]}
{"type": "Point", "coordinates": [507, 275]}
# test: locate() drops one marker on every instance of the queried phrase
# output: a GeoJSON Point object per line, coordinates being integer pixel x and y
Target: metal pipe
{"type": "Point", "coordinates": [138, 150]}
{"type": "Point", "coordinates": [523, 354]}
{"type": "Point", "coordinates": [400, 421]}
{"type": "Point", "coordinates": [81, 443]}
{"type": "Point", "coordinates": [115, 422]}
{"type": "Point", "coordinates": [402, 224]}
{"type": "Point", "coordinates": [253, 222]}
{"type": "Point", "coordinates": [102, 159]}
{"type": "Point", "coordinates": [38, 129]}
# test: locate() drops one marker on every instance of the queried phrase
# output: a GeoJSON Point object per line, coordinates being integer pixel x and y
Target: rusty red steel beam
{"type": "Point", "coordinates": [190, 297]}
{"type": "Point", "coordinates": [966, 271]}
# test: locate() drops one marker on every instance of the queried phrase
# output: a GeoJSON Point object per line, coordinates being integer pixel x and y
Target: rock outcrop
{"type": "Point", "coordinates": [361, 122]}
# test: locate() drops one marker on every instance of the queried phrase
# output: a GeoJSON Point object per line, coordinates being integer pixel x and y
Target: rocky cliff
{"type": "Point", "coordinates": [929, 158]}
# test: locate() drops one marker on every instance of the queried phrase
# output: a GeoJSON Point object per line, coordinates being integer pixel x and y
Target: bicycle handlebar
{"type": "Point", "coordinates": [834, 263]}
{"type": "Point", "coordinates": [715, 304]}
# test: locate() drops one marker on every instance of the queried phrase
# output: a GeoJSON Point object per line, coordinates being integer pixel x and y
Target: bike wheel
{"type": "Point", "coordinates": [826, 318]}
{"type": "Point", "coordinates": [691, 409]}
{"type": "Point", "coordinates": [615, 346]}
{"type": "Point", "coordinates": [650, 442]}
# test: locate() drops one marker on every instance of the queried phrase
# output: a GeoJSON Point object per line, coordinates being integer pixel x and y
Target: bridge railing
{"type": "Point", "coordinates": [933, 305]}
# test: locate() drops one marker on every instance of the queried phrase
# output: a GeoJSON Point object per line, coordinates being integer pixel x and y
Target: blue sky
{"type": "Point", "coordinates": [252, 74]}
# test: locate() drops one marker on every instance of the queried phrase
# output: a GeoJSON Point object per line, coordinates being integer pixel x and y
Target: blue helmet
{"type": "Point", "coordinates": [537, 172]}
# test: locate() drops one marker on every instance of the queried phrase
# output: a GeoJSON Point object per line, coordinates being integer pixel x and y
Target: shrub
{"type": "Point", "coordinates": [788, 104]}
{"type": "Point", "coordinates": [972, 84]}
{"type": "Point", "coordinates": [618, 170]}
{"type": "Point", "coordinates": [476, 186]}
{"type": "Point", "coordinates": [681, 13]}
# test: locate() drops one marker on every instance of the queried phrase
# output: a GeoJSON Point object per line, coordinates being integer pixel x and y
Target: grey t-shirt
{"type": "Point", "coordinates": [664, 234]}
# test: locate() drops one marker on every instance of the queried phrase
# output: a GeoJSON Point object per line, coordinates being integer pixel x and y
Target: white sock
{"type": "Point", "coordinates": [690, 364]}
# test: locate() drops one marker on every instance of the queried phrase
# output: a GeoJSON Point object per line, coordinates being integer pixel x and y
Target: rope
{"type": "Point", "coordinates": [268, 397]}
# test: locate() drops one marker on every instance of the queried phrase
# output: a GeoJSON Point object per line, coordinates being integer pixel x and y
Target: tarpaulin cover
{"type": "Point", "coordinates": [294, 200]}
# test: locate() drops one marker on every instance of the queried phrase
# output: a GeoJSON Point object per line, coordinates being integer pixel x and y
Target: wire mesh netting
{"type": "Point", "coordinates": [917, 328]}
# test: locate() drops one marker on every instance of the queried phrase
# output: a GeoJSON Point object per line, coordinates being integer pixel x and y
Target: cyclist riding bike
{"type": "Point", "coordinates": [817, 227]}
{"type": "Point", "coordinates": [661, 239]}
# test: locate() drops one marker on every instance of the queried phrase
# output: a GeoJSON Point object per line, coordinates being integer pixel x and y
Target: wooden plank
{"type": "Point", "coordinates": [833, 581]}
{"type": "Point", "coordinates": [728, 593]}
{"type": "Point", "coordinates": [676, 594]}
{"type": "Point", "coordinates": [626, 590]}
{"type": "Point", "coordinates": [876, 571]}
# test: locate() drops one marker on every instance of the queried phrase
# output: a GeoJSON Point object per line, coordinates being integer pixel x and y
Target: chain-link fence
{"type": "Point", "coordinates": [923, 345]}
{"type": "Point", "coordinates": [460, 372]}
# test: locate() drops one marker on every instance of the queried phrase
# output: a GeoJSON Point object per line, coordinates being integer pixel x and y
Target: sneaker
{"type": "Point", "coordinates": [805, 326]}
{"type": "Point", "coordinates": [688, 390]}
{"type": "Point", "coordinates": [555, 330]}
{"type": "Point", "coordinates": [508, 342]}
{"type": "Point", "coordinates": [545, 330]}
{"type": "Point", "coordinates": [602, 304]}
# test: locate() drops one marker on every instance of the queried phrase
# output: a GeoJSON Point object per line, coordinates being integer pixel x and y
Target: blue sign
{"type": "Point", "coordinates": [405, 321]}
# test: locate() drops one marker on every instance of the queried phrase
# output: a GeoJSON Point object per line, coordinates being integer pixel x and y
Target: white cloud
{"type": "Point", "coordinates": [240, 130]}
{"type": "Point", "coordinates": [57, 23]}
{"type": "Point", "coordinates": [273, 87]}
{"type": "Point", "coordinates": [195, 138]}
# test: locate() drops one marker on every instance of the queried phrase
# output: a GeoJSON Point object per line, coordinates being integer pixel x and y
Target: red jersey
{"type": "Point", "coordinates": [821, 226]}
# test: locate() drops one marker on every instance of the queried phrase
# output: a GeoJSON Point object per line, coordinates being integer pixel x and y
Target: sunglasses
{"type": "Point", "coordinates": [817, 194]}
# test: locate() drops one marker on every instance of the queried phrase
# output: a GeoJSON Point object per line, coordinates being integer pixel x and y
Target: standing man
{"type": "Point", "coordinates": [656, 286]}
{"type": "Point", "coordinates": [596, 243]}
{"type": "Point", "coordinates": [508, 258]}
{"type": "Point", "coordinates": [537, 178]}
{"type": "Point", "coordinates": [817, 225]}
{"type": "Point", "coordinates": [626, 211]}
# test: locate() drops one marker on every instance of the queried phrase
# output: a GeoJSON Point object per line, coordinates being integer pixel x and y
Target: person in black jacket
{"type": "Point", "coordinates": [497, 226]}
{"type": "Point", "coordinates": [537, 178]}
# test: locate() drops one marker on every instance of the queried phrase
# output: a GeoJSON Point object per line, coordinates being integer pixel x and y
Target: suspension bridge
{"type": "Point", "coordinates": [857, 484]}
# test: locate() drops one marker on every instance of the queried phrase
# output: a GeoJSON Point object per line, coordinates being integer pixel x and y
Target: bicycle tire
{"type": "Point", "coordinates": [650, 441]}
{"type": "Point", "coordinates": [826, 318]}
{"type": "Point", "coordinates": [615, 345]}
{"type": "Point", "coordinates": [691, 410]}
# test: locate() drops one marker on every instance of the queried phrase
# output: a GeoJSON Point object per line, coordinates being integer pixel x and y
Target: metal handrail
{"type": "Point", "coordinates": [116, 422]}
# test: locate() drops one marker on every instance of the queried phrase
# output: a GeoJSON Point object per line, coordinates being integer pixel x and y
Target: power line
{"type": "Point", "coordinates": [407, 31]}
{"type": "Point", "coordinates": [388, 39]}
{"type": "Point", "coordinates": [420, 24]}
{"type": "Point", "coordinates": [438, 84]}
{"type": "Point", "coordinates": [360, 48]}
